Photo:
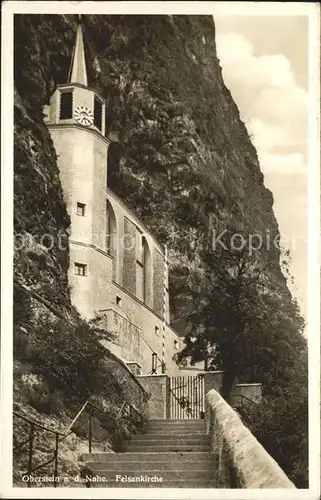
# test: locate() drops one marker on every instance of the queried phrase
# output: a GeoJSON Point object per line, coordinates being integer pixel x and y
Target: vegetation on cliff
{"type": "Point", "coordinates": [253, 331]}
{"type": "Point", "coordinates": [59, 364]}
{"type": "Point", "coordinates": [188, 169]}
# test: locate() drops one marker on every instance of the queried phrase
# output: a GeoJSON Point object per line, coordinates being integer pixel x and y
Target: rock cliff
{"type": "Point", "coordinates": [184, 160]}
{"type": "Point", "coordinates": [181, 158]}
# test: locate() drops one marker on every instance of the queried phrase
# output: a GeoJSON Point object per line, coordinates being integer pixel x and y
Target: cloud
{"type": "Point", "coordinates": [267, 70]}
{"type": "Point", "coordinates": [266, 92]}
{"type": "Point", "coordinates": [290, 37]}
{"type": "Point", "coordinates": [273, 138]}
{"type": "Point", "coordinates": [274, 108]}
{"type": "Point", "coordinates": [289, 164]}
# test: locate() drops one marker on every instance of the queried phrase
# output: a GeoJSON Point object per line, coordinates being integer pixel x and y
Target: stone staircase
{"type": "Point", "coordinates": [170, 454]}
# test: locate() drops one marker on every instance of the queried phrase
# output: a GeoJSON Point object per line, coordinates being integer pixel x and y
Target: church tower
{"type": "Point", "coordinates": [76, 119]}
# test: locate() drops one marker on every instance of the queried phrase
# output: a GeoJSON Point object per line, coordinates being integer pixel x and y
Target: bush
{"type": "Point", "coordinates": [45, 401]}
{"type": "Point", "coordinates": [68, 356]}
{"type": "Point", "coordinates": [21, 307]}
{"type": "Point", "coordinates": [284, 438]}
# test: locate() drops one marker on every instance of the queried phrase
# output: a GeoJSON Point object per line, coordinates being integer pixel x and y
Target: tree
{"type": "Point", "coordinates": [251, 326]}
{"type": "Point", "coordinates": [246, 323]}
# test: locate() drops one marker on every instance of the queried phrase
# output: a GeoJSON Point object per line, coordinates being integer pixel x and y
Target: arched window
{"type": "Point", "coordinates": [111, 235]}
{"type": "Point", "coordinates": [113, 164]}
{"type": "Point", "coordinates": [143, 269]}
{"type": "Point", "coordinates": [146, 258]}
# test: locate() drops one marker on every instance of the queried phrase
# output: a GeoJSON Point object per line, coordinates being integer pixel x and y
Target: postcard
{"type": "Point", "coordinates": [160, 234]}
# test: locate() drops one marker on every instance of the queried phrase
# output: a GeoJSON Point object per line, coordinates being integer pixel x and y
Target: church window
{"type": "Point", "coordinates": [81, 209]}
{"type": "Point", "coordinates": [98, 113]}
{"type": "Point", "coordinates": [111, 236]}
{"type": "Point", "coordinates": [65, 105]}
{"type": "Point", "coordinates": [118, 301]}
{"type": "Point", "coordinates": [146, 264]}
{"type": "Point", "coordinates": [111, 230]}
{"type": "Point", "coordinates": [80, 269]}
{"type": "Point", "coordinates": [157, 330]}
{"type": "Point", "coordinates": [143, 273]}
{"type": "Point", "coordinates": [176, 344]}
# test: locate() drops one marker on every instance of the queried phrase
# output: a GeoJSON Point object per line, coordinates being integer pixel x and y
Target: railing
{"type": "Point", "coordinates": [241, 403]}
{"type": "Point", "coordinates": [243, 400]}
{"type": "Point", "coordinates": [155, 359]}
{"type": "Point", "coordinates": [119, 324]}
{"type": "Point", "coordinates": [187, 397]}
{"type": "Point", "coordinates": [126, 411]}
{"type": "Point", "coordinates": [30, 442]}
{"type": "Point", "coordinates": [125, 325]}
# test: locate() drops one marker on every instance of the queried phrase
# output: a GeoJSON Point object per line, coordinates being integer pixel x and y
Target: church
{"type": "Point", "coordinates": [118, 270]}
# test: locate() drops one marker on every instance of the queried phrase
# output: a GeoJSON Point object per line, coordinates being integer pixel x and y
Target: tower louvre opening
{"type": "Point", "coordinates": [98, 111]}
{"type": "Point", "coordinates": [65, 105]}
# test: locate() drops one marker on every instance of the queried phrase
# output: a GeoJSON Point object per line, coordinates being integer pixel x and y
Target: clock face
{"type": "Point", "coordinates": [84, 116]}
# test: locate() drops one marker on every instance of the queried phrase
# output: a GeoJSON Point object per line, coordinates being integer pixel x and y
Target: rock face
{"type": "Point", "coordinates": [183, 160]}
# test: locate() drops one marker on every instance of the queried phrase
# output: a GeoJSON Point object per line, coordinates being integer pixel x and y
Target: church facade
{"type": "Point", "coordinates": [118, 270]}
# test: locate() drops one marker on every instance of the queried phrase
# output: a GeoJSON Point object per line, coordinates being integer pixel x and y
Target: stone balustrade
{"type": "Point", "coordinates": [241, 461]}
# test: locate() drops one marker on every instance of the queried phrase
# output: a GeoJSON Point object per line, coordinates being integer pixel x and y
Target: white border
{"type": "Point", "coordinates": [221, 8]}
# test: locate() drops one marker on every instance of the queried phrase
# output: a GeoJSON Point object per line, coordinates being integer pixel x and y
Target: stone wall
{"type": "Point", "coordinates": [133, 390]}
{"type": "Point", "coordinates": [76, 148]}
{"type": "Point", "coordinates": [241, 461]}
{"type": "Point", "coordinates": [252, 392]}
{"type": "Point", "coordinates": [128, 251]}
{"type": "Point", "coordinates": [139, 347]}
{"type": "Point", "coordinates": [158, 388]}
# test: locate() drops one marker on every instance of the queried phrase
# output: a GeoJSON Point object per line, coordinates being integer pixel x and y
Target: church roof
{"type": "Point", "coordinates": [78, 71]}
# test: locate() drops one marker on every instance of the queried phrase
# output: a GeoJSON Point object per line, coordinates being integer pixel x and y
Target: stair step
{"type": "Point", "coordinates": [139, 441]}
{"type": "Point", "coordinates": [176, 452]}
{"type": "Point", "coordinates": [176, 427]}
{"type": "Point", "coordinates": [180, 474]}
{"type": "Point", "coordinates": [179, 432]}
{"type": "Point", "coordinates": [171, 423]}
{"type": "Point", "coordinates": [174, 483]}
{"type": "Point", "coordinates": [174, 433]}
{"type": "Point", "coordinates": [176, 420]}
{"type": "Point", "coordinates": [186, 423]}
{"type": "Point", "coordinates": [201, 436]}
{"type": "Point", "coordinates": [149, 456]}
{"type": "Point", "coordinates": [167, 447]}
{"type": "Point", "coordinates": [177, 464]}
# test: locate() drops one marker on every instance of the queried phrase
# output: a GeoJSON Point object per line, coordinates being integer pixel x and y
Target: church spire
{"type": "Point", "coordinates": [78, 71]}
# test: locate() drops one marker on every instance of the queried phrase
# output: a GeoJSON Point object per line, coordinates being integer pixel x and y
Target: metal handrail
{"type": "Point", "coordinates": [241, 406]}
{"type": "Point", "coordinates": [120, 316]}
{"type": "Point", "coordinates": [36, 424]}
{"type": "Point", "coordinates": [181, 401]}
{"type": "Point", "coordinates": [78, 415]}
{"type": "Point", "coordinates": [59, 436]}
{"type": "Point", "coordinates": [30, 441]}
{"type": "Point", "coordinates": [161, 365]}
{"type": "Point", "coordinates": [241, 396]}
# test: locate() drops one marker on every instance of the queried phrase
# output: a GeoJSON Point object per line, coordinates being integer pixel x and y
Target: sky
{"type": "Point", "coordinates": [265, 66]}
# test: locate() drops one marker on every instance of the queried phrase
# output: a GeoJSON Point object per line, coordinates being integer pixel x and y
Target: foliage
{"type": "Point", "coordinates": [45, 400]}
{"type": "Point", "coordinates": [187, 156]}
{"type": "Point", "coordinates": [280, 423]}
{"type": "Point", "coordinates": [253, 330]}
{"type": "Point", "coordinates": [97, 327]}
{"type": "Point", "coordinates": [22, 312]}
{"type": "Point", "coordinates": [69, 358]}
